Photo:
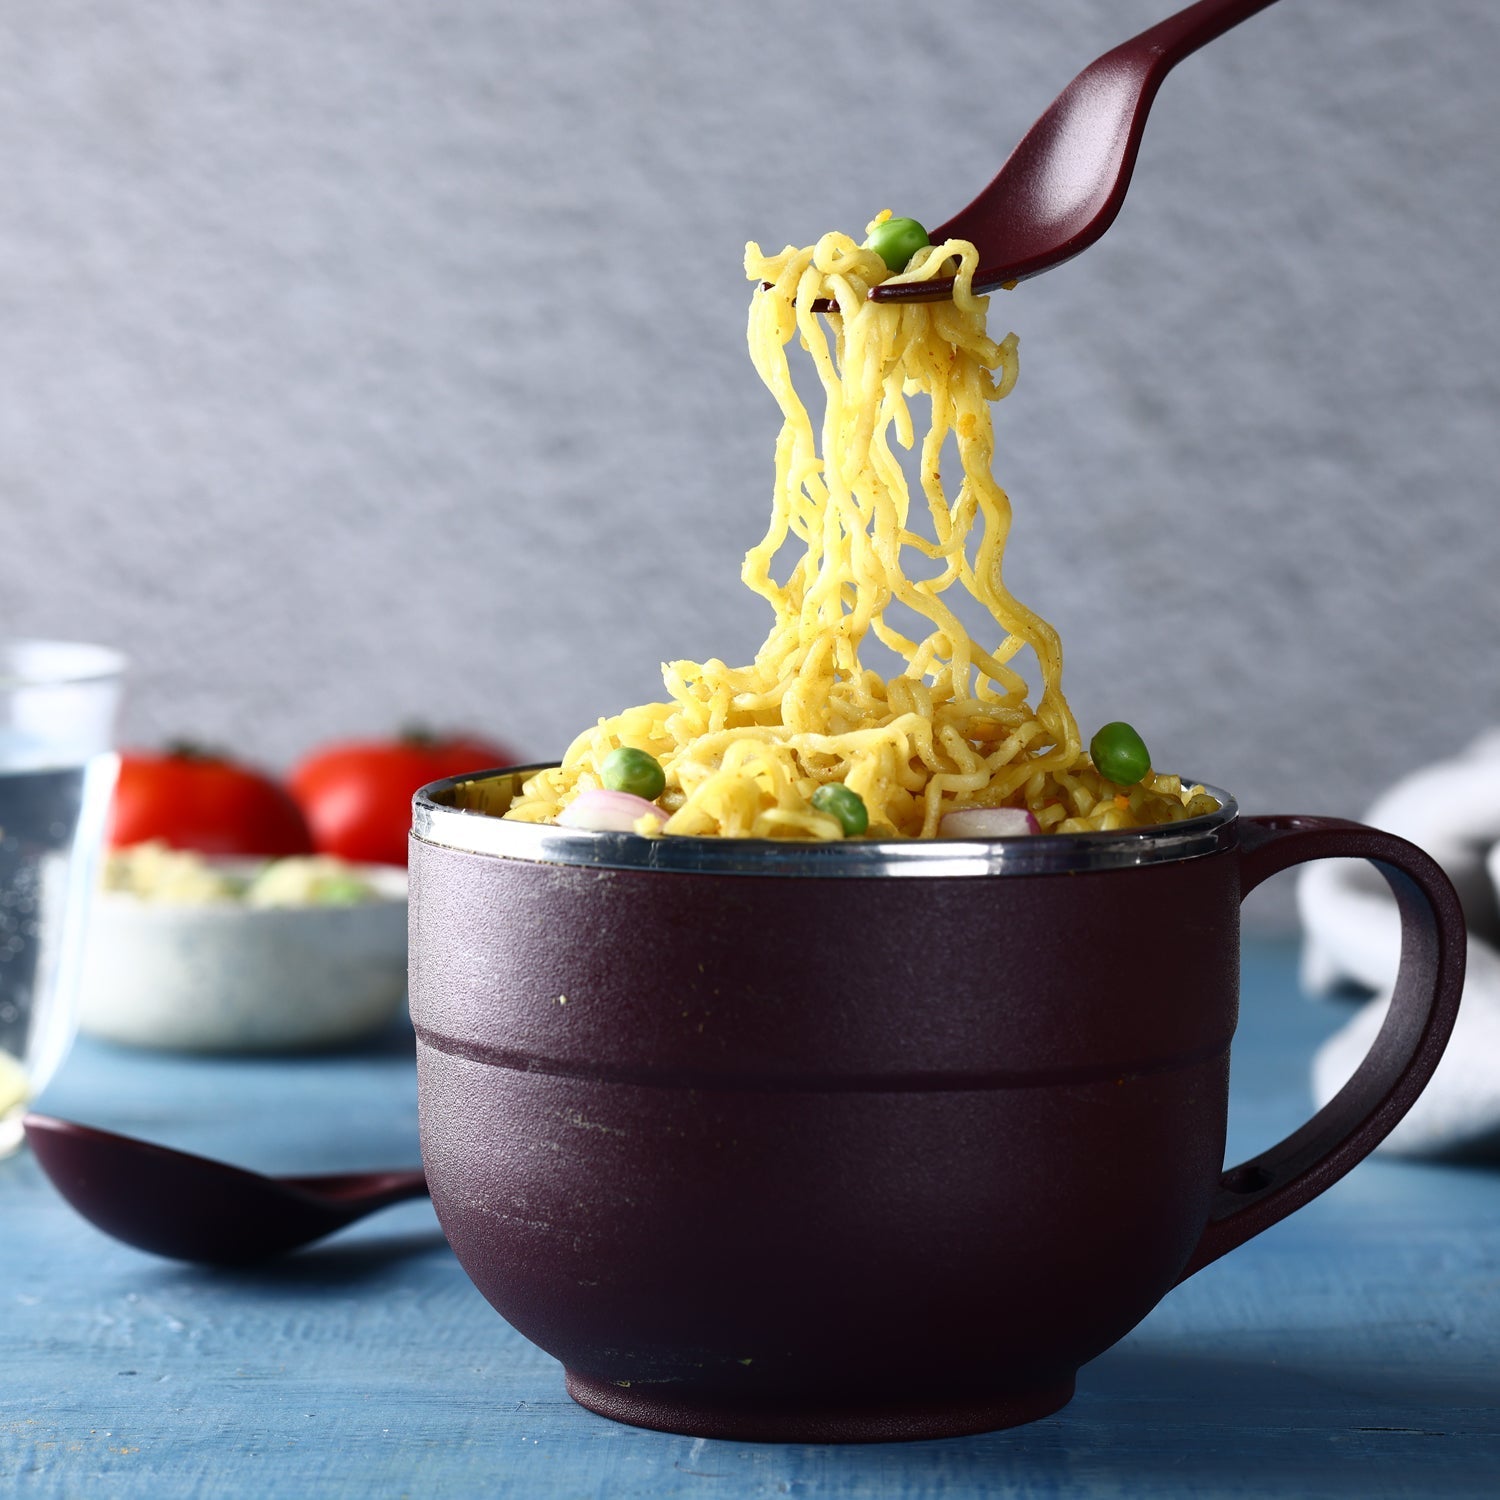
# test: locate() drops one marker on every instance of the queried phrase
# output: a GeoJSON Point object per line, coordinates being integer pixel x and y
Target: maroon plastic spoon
{"type": "Point", "coordinates": [1061, 188]}
{"type": "Point", "coordinates": [190, 1208]}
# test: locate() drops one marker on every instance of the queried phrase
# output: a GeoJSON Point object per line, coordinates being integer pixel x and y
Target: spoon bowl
{"type": "Point", "coordinates": [1062, 187]}
{"type": "Point", "coordinates": [191, 1208]}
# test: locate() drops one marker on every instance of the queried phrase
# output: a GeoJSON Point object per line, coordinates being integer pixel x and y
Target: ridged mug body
{"type": "Point", "coordinates": [811, 1156]}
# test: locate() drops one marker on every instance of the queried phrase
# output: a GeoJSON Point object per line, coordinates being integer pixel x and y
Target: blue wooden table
{"type": "Point", "coordinates": [1352, 1351]}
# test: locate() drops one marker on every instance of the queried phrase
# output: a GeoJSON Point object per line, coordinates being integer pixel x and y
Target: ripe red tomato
{"type": "Point", "coordinates": [204, 802]}
{"type": "Point", "coordinates": [356, 796]}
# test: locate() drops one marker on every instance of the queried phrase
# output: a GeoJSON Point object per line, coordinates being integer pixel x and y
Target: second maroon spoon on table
{"type": "Point", "coordinates": [191, 1208]}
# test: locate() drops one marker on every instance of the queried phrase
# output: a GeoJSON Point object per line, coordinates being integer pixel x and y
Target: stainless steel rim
{"type": "Point", "coordinates": [464, 813]}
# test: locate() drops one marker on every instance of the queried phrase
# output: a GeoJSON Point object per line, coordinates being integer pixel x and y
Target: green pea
{"type": "Point", "coordinates": [896, 240]}
{"type": "Point", "coordinates": [633, 771]}
{"type": "Point", "coordinates": [341, 890]}
{"type": "Point", "coordinates": [846, 807]}
{"type": "Point", "coordinates": [1120, 754]}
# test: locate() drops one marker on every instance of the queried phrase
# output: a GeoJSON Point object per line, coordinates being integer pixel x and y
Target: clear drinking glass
{"type": "Point", "coordinates": [58, 701]}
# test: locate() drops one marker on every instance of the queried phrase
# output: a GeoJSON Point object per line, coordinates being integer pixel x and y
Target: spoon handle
{"type": "Point", "coordinates": [1192, 28]}
{"type": "Point", "coordinates": [370, 1189]}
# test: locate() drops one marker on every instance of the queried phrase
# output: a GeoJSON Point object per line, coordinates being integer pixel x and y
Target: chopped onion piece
{"type": "Point", "coordinates": [988, 823]}
{"type": "Point", "coordinates": [603, 811]}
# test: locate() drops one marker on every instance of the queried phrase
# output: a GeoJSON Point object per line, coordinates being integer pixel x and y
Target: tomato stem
{"type": "Point", "coordinates": [186, 749]}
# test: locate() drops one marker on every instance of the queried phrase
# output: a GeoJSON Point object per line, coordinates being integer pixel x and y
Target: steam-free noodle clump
{"type": "Point", "coordinates": [744, 749]}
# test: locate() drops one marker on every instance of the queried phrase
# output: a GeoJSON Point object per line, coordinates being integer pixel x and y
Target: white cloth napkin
{"type": "Point", "coordinates": [1353, 937]}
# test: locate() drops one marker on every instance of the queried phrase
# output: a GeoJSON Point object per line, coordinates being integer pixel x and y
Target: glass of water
{"type": "Point", "coordinates": [58, 702]}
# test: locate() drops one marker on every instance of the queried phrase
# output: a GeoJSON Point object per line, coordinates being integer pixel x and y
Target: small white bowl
{"type": "Point", "coordinates": [227, 977]}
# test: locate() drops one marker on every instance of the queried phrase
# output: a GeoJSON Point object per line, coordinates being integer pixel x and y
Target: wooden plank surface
{"type": "Point", "coordinates": [1352, 1351]}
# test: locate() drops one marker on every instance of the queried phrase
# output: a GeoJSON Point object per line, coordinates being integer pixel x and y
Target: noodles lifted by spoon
{"type": "Point", "coordinates": [745, 749]}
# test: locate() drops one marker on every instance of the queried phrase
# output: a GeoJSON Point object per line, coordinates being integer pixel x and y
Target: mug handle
{"type": "Point", "coordinates": [1266, 1188]}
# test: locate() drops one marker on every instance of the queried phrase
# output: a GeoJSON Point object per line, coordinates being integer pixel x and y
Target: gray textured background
{"type": "Point", "coordinates": [335, 392]}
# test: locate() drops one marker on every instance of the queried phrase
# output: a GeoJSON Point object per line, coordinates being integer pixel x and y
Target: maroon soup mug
{"type": "Point", "coordinates": [866, 1140]}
